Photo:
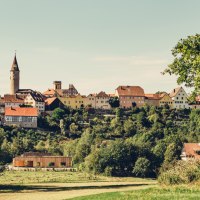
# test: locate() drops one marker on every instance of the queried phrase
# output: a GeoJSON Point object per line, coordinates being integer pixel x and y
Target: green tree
{"type": "Point", "coordinates": [117, 157]}
{"type": "Point", "coordinates": [16, 146]}
{"type": "Point", "coordinates": [172, 153]}
{"type": "Point", "coordinates": [5, 152]}
{"type": "Point", "coordinates": [62, 126]}
{"type": "Point", "coordinates": [142, 167]}
{"type": "Point", "coordinates": [41, 146]}
{"type": "Point", "coordinates": [114, 102]}
{"type": "Point", "coordinates": [119, 112]}
{"type": "Point", "coordinates": [186, 64]}
{"type": "Point", "coordinates": [129, 128]}
{"type": "Point", "coordinates": [83, 147]}
{"type": "Point", "coordinates": [58, 114]}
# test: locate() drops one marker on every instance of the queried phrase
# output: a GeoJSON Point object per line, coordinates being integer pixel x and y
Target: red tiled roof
{"type": "Point", "coordinates": [163, 94]}
{"type": "Point", "coordinates": [14, 98]}
{"type": "Point", "coordinates": [62, 92]}
{"type": "Point", "coordinates": [153, 96]}
{"type": "Point", "coordinates": [102, 94]}
{"type": "Point", "coordinates": [21, 111]}
{"type": "Point", "coordinates": [191, 149]}
{"type": "Point", "coordinates": [174, 92]}
{"type": "Point", "coordinates": [52, 92]}
{"type": "Point", "coordinates": [49, 101]}
{"type": "Point", "coordinates": [130, 91]}
{"type": "Point", "coordinates": [92, 95]}
{"type": "Point", "coordinates": [49, 92]}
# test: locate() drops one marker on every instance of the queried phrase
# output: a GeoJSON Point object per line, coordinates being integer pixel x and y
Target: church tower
{"type": "Point", "coordinates": [14, 77]}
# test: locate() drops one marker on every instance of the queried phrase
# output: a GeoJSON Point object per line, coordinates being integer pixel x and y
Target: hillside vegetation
{"type": "Point", "coordinates": [134, 142]}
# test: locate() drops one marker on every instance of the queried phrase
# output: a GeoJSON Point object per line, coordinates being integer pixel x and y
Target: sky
{"type": "Point", "coordinates": [96, 45]}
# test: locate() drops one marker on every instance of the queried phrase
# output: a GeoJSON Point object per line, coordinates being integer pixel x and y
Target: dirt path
{"type": "Point", "coordinates": [60, 191]}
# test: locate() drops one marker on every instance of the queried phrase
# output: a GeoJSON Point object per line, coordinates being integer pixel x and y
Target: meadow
{"type": "Point", "coordinates": [40, 185]}
{"type": "Point", "coordinates": [29, 177]}
{"type": "Point", "coordinates": [51, 185]}
{"type": "Point", "coordinates": [177, 193]}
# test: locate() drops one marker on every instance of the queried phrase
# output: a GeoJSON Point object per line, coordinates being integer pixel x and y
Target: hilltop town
{"type": "Point", "coordinates": [21, 107]}
{"type": "Point", "coordinates": [102, 102]}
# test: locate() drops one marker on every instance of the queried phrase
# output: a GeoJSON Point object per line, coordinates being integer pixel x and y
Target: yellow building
{"type": "Point", "coordinates": [74, 102]}
{"type": "Point", "coordinates": [165, 99]}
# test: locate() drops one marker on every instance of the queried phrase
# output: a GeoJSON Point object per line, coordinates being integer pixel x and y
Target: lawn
{"type": "Point", "coordinates": [180, 193]}
{"type": "Point", "coordinates": [27, 177]}
{"type": "Point", "coordinates": [52, 185]}
{"type": "Point", "coordinates": [27, 185]}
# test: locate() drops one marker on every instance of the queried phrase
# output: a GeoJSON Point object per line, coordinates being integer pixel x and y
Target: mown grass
{"type": "Point", "coordinates": [28, 177]}
{"type": "Point", "coordinates": [181, 193]}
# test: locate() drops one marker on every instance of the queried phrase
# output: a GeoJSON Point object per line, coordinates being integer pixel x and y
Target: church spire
{"type": "Point", "coordinates": [14, 77]}
{"type": "Point", "coordinates": [15, 64]}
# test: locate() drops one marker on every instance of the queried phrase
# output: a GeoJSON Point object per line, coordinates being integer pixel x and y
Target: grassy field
{"type": "Point", "coordinates": [16, 185]}
{"type": "Point", "coordinates": [27, 177]}
{"type": "Point", "coordinates": [148, 194]}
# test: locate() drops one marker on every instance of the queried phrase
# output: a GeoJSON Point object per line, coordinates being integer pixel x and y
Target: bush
{"type": "Point", "coordinates": [108, 171]}
{"type": "Point", "coordinates": [182, 172]}
{"type": "Point", "coordinates": [2, 168]}
{"type": "Point", "coordinates": [142, 167]}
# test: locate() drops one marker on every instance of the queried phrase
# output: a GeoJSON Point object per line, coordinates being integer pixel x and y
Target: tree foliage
{"type": "Point", "coordinates": [186, 63]}
{"type": "Point", "coordinates": [114, 102]}
{"type": "Point", "coordinates": [135, 142]}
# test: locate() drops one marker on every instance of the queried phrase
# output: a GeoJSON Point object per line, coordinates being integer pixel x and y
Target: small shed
{"type": "Point", "coordinates": [42, 160]}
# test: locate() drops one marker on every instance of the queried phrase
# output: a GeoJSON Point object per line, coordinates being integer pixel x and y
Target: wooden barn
{"type": "Point", "coordinates": [42, 160]}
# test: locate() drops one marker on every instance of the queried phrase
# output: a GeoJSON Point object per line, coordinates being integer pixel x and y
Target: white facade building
{"type": "Point", "coordinates": [98, 101]}
{"type": "Point", "coordinates": [179, 98]}
{"type": "Point", "coordinates": [13, 100]}
{"type": "Point", "coordinates": [102, 101]}
{"type": "Point", "coordinates": [91, 100]}
{"type": "Point", "coordinates": [35, 100]}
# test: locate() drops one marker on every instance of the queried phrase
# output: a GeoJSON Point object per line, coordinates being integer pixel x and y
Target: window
{"type": "Point", "coordinates": [63, 164]}
{"type": "Point", "coordinates": [198, 152]}
{"type": "Point", "coordinates": [51, 164]}
{"type": "Point", "coordinates": [15, 119]}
